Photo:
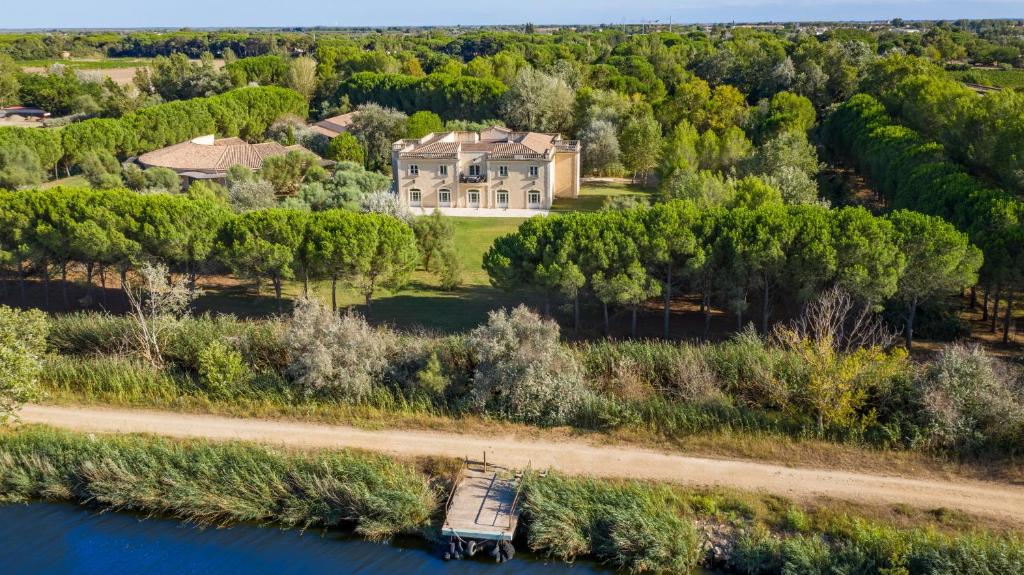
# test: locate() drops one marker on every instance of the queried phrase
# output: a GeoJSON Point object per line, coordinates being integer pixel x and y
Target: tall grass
{"type": "Point", "coordinates": [633, 526]}
{"type": "Point", "coordinates": [217, 483]}
{"type": "Point", "coordinates": [854, 545]}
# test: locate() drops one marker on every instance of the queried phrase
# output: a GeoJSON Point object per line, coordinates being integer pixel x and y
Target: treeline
{"type": "Point", "coordinates": [452, 97]}
{"type": "Point", "coordinates": [739, 259]}
{"type": "Point", "coordinates": [911, 172]}
{"type": "Point", "coordinates": [116, 230]}
{"type": "Point", "coordinates": [33, 46]}
{"type": "Point", "coordinates": [246, 112]}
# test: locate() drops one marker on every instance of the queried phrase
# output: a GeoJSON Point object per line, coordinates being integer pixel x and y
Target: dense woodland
{"type": "Point", "coordinates": [825, 188]}
{"type": "Point", "coordinates": [735, 122]}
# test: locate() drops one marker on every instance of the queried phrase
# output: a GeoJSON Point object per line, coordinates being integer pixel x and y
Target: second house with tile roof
{"type": "Point", "coordinates": [496, 168]}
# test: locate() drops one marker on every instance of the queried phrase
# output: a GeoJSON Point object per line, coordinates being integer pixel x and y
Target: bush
{"type": "Point", "coordinates": [256, 194]}
{"type": "Point", "coordinates": [522, 371]}
{"type": "Point", "coordinates": [22, 344]}
{"type": "Point", "coordinates": [221, 370]}
{"type": "Point", "coordinates": [335, 355]}
{"type": "Point", "coordinates": [971, 401]}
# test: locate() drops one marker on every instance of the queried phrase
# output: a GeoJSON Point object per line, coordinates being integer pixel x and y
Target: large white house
{"type": "Point", "coordinates": [496, 168]}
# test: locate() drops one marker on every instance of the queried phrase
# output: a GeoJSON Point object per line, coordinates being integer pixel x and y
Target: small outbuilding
{"type": "Point", "coordinates": [332, 127]}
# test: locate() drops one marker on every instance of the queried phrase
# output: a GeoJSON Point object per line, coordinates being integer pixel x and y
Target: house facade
{"type": "Point", "coordinates": [496, 168]}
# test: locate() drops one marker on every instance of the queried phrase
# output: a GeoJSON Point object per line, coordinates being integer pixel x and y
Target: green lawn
{"type": "Point", "coordinates": [594, 194]}
{"type": "Point", "coordinates": [72, 182]}
{"type": "Point", "coordinates": [87, 64]}
{"type": "Point", "coordinates": [420, 304]}
{"type": "Point", "coordinates": [1013, 78]}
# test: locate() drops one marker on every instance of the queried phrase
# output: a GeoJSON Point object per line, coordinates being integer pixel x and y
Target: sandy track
{"type": "Point", "coordinates": [996, 500]}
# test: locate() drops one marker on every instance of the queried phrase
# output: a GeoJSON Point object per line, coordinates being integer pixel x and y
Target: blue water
{"type": "Point", "coordinates": [46, 538]}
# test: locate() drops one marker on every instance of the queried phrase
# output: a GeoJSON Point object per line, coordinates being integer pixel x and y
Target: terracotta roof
{"type": "Point", "coordinates": [334, 125]}
{"type": "Point", "coordinates": [496, 141]}
{"type": "Point", "coordinates": [205, 154]}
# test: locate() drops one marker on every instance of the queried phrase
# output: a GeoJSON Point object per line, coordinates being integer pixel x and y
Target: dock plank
{"type": "Point", "coordinates": [483, 507]}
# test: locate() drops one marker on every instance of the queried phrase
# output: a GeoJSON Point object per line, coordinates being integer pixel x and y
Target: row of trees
{"type": "Point", "coordinates": [246, 112]}
{"type": "Point", "coordinates": [909, 171]}
{"type": "Point", "coordinates": [114, 231]}
{"type": "Point", "coordinates": [453, 97]}
{"type": "Point", "coordinates": [774, 255]}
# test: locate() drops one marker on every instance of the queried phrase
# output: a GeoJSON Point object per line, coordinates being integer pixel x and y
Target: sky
{"type": "Point", "coordinates": [288, 13]}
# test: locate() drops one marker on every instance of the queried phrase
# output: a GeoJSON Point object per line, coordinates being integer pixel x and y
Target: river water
{"type": "Point", "coordinates": [47, 538]}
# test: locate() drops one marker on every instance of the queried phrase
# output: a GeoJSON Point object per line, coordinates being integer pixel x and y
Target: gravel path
{"type": "Point", "coordinates": [991, 499]}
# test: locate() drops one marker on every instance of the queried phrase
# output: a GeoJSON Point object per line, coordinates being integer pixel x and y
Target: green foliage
{"type": "Point", "coordinates": [221, 369]}
{"type": "Point", "coordinates": [268, 70]}
{"type": "Point", "coordinates": [629, 525]}
{"type": "Point", "coordinates": [102, 169]}
{"type": "Point", "coordinates": [45, 142]}
{"type": "Point", "coordinates": [345, 148]}
{"type": "Point", "coordinates": [19, 166]}
{"type": "Point", "coordinates": [287, 173]}
{"type": "Point", "coordinates": [422, 123]}
{"type": "Point", "coordinates": [22, 345]}
{"type": "Point", "coordinates": [450, 96]}
{"type": "Point", "coordinates": [217, 483]}
{"type": "Point", "coordinates": [435, 236]}
{"type": "Point", "coordinates": [970, 401]}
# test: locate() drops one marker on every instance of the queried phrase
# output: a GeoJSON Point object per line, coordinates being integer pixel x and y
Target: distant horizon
{"type": "Point", "coordinates": [309, 14]}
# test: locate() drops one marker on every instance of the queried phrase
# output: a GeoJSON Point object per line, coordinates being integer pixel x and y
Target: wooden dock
{"type": "Point", "coordinates": [484, 504]}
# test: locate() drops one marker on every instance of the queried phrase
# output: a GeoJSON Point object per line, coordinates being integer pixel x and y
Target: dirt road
{"type": "Point", "coordinates": [996, 500]}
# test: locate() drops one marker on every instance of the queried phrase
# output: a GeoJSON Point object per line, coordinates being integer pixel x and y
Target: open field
{"type": "Point", "coordinates": [120, 70]}
{"type": "Point", "coordinates": [1013, 78]}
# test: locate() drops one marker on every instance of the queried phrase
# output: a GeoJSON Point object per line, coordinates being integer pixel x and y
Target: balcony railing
{"type": "Point", "coordinates": [464, 179]}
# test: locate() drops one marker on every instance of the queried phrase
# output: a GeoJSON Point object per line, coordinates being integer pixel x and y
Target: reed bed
{"type": "Point", "coordinates": [217, 483]}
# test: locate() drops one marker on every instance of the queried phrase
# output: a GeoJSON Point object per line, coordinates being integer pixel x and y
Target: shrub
{"type": "Point", "coordinates": [22, 344]}
{"type": "Point", "coordinates": [970, 400]}
{"type": "Point", "coordinates": [522, 371]}
{"type": "Point", "coordinates": [335, 355]}
{"type": "Point", "coordinates": [221, 370]}
{"type": "Point", "coordinates": [431, 378]}
{"type": "Point", "coordinates": [251, 195]}
{"type": "Point", "coordinates": [632, 526]}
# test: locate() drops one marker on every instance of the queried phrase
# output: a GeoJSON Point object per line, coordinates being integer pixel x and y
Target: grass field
{"type": "Point", "coordinates": [593, 195]}
{"type": "Point", "coordinates": [87, 63]}
{"type": "Point", "coordinates": [1013, 78]}
{"type": "Point", "coordinates": [71, 182]}
{"type": "Point", "coordinates": [422, 303]}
